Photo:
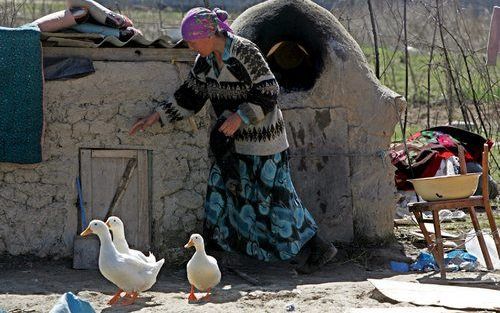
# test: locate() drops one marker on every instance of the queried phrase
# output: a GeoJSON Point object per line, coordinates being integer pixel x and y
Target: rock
{"type": "Point", "coordinates": [9, 178]}
{"type": "Point", "coordinates": [7, 193]}
{"type": "Point", "coordinates": [80, 129]}
{"type": "Point", "coordinates": [101, 128]}
{"type": "Point", "coordinates": [172, 186]}
{"type": "Point", "coordinates": [200, 214]}
{"type": "Point", "coordinates": [290, 307]}
{"type": "Point", "coordinates": [188, 199]}
{"type": "Point", "coordinates": [75, 113]}
{"type": "Point", "coordinates": [188, 221]}
{"type": "Point", "coordinates": [20, 196]}
{"type": "Point", "coordinates": [107, 112]}
{"type": "Point", "coordinates": [28, 176]}
{"type": "Point", "coordinates": [39, 201]}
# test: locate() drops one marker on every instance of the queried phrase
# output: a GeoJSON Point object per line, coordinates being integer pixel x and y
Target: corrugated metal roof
{"type": "Point", "coordinates": [91, 40]}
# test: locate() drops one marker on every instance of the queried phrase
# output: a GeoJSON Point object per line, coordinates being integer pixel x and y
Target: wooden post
{"type": "Point", "coordinates": [480, 238]}
{"type": "Point", "coordinates": [430, 245]}
{"type": "Point", "coordinates": [461, 158]}
{"type": "Point", "coordinates": [86, 183]}
{"type": "Point", "coordinates": [486, 199]}
{"type": "Point", "coordinates": [403, 129]}
{"type": "Point", "coordinates": [439, 242]}
{"type": "Point", "coordinates": [375, 39]}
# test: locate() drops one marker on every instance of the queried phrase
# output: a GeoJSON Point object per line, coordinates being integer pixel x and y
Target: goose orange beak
{"type": "Point", "coordinates": [108, 224]}
{"type": "Point", "coordinates": [86, 232]}
{"type": "Point", "coordinates": [189, 244]}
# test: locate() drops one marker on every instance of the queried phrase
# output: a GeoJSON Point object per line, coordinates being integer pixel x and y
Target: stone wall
{"type": "Point", "coordinates": [38, 211]}
{"type": "Point", "coordinates": [338, 132]}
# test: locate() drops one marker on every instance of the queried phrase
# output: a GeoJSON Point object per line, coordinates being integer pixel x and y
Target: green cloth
{"type": "Point", "coordinates": [21, 95]}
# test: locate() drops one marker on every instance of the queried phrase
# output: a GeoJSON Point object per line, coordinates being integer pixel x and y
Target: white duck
{"type": "Point", "coordinates": [116, 225]}
{"type": "Point", "coordinates": [128, 273]}
{"type": "Point", "coordinates": [202, 270]}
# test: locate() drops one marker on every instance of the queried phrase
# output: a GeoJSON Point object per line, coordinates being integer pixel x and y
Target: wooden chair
{"type": "Point", "coordinates": [417, 208]}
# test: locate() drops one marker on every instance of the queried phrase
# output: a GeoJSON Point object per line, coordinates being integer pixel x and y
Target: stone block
{"type": "Point", "coordinates": [86, 252]}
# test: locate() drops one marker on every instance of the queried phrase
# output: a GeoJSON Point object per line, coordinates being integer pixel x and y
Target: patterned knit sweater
{"type": "Point", "coordinates": [246, 85]}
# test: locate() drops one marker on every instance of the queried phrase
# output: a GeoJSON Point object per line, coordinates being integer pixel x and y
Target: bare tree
{"type": "Point", "coordinates": [375, 39]}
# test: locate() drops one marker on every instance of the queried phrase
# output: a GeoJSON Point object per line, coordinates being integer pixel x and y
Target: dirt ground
{"type": "Point", "coordinates": [29, 285]}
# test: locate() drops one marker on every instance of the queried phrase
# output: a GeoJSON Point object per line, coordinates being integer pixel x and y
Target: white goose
{"type": "Point", "coordinates": [116, 225]}
{"type": "Point", "coordinates": [202, 270]}
{"type": "Point", "coordinates": [127, 272]}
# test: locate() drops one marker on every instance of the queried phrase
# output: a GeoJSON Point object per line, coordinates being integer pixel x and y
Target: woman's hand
{"type": "Point", "coordinates": [145, 122]}
{"type": "Point", "coordinates": [231, 125]}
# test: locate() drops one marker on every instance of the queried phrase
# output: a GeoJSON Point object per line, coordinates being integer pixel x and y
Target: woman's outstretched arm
{"type": "Point", "coordinates": [187, 100]}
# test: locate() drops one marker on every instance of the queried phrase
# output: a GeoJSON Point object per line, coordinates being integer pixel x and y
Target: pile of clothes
{"type": "Point", "coordinates": [434, 152]}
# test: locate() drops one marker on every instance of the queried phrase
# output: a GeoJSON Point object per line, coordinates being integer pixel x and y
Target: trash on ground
{"type": "Point", "coordinates": [454, 261]}
{"type": "Point", "coordinates": [446, 296]}
{"type": "Point", "coordinates": [403, 310]}
{"type": "Point", "coordinates": [472, 246]}
{"type": "Point", "coordinates": [449, 216]}
{"type": "Point", "coordinates": [69, 303]}
{"type": "Point", "coordinates": [400, 267]}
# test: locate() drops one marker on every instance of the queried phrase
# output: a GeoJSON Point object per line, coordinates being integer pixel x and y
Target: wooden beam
{"type": "Point", "coordinates": [123, 54]}
{"type": "Point", "coordinates": [447, 204]}
{"type": "Point", "coordinates": [86, 181]}
{"type": "Point", "coordinates": [122, 186]}
{"type": "Point", "coordinates": [131, 154]}
{"type": "Point", "coordinates": [144, 226]}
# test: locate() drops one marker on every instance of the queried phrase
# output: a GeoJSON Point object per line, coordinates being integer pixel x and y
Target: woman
{"type": "Point", "coordinates": [251, 205]}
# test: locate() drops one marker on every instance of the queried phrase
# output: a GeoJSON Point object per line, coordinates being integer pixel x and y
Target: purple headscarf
{"type": "Point", "coordinates": [202, 23]}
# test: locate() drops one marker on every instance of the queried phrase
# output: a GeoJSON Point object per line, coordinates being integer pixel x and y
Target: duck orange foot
{"type": "Point", "coordinates": [207, 296]}
{"type": "Point", "coordinates": [116, 297]}
{"type": "Point", "coordinates": [192, 297]}
{"type": "Point", "coordinates": [130, 298]}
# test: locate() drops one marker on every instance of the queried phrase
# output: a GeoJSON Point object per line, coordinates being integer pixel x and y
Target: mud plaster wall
{"type": "Point", "coordinates": [38, 213]}
{"type": "Point", "coordinates": [334, 131]}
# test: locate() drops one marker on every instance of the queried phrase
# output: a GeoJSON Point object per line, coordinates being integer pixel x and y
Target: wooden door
{"type": "Point", "coordinates": [101, 171]}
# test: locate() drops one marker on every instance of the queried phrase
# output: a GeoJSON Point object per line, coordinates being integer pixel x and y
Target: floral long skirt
{"type": "Point", "coordinates": [252, 207]}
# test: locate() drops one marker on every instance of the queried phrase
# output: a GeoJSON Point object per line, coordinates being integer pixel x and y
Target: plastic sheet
{"type": "Point", "coordinates": [66, 68]}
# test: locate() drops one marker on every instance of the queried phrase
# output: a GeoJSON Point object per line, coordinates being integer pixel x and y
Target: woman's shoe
{"type": "Point", "coordinates": [313, 265]}
{"type": "Point", "coordinates": [322, 251]}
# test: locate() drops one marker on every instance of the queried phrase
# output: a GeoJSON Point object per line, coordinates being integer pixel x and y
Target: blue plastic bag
{"type": "Point", "coordinates": [400, 267]}
{"type": "Point", "coordinates": [460, 260]}
{"type": "Point", "coordinates": [69, 303]}
{"type": "Point", "coordinates": [425, 262]}
{"type": "Point", "coordinates": [453, 261]}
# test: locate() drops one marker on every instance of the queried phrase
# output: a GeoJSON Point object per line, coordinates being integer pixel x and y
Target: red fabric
{"type": "Point", "coordinates": [435, 163]}
{"type": "Point", "coordinates": [432, 166]}
{"type": "Point", "coordinates": [428, 148]}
